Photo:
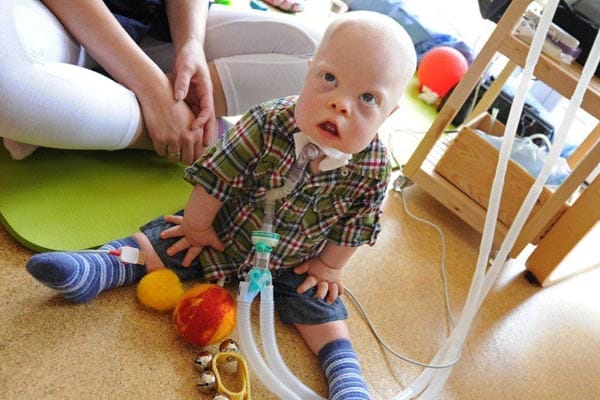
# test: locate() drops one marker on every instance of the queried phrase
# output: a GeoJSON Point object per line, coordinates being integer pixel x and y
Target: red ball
{"type": "Point", "coordinates": [205, 314]}
{"type": "Point", "coordinates": [441, 68]}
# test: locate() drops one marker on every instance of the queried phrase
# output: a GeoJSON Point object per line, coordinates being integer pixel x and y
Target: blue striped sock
{"type": "Point", "coordinates": [342, 371]}
{"type": "Point", "coordinates": [80, 277]}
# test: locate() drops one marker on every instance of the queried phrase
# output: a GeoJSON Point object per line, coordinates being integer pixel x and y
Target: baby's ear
{"type": "Point", "coordinates": [309, 61]}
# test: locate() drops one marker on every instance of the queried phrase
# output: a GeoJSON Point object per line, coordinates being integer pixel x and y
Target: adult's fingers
{"type": "Point", "coordinates": [211, 134]}
{"type": "Point", "coordinates": [191, 147]}
{"type": "Point", "coordinates": [203, 116]}
{"type": "Point", "coordinates": [183, 76]}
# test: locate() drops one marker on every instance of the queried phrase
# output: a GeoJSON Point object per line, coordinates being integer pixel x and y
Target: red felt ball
{"type": "Point", "coordinates": [441, 68]}
{"type": "Point", "coordinates": [205, 314]}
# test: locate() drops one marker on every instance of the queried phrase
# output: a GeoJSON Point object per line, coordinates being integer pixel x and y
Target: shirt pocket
{"type": "Point", "coordinates": [321, 216]}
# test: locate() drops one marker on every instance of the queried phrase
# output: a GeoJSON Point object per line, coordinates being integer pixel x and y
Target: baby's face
{"type": "Point", "coordinates": [350, 89]}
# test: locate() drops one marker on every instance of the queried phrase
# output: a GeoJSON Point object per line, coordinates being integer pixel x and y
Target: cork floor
{"type": "Point", "coordinates": [525, 343]}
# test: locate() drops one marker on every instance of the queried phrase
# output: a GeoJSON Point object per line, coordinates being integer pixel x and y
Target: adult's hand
{"type": "Point", "coordinates": [167, 121]}
{"type": "Point", "coordinates": [169, 124]}
{"type": "Point", "coordinates": [192, 82]}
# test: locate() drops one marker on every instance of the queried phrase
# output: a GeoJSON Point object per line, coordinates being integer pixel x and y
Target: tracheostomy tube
{"type": "Point", "coordinates": [276, 376]}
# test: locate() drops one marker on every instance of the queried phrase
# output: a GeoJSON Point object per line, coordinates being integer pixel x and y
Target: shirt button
{"type": "Point", "coordinates": [345, 172]}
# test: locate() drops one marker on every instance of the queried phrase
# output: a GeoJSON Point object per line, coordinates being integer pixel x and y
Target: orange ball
{"type": "Point", "coordinates": [205, 314]}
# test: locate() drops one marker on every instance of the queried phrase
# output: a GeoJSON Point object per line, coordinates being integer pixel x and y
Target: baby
{"type": "Point", "coordinates": [353, 84]}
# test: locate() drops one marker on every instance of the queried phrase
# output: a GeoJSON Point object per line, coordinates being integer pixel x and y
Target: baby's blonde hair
{"type": "Point", "coordinates": [390, 36]}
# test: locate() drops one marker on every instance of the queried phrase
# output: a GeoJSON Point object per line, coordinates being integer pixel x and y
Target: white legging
{"type": "Point", "coordinates": [48, 96]}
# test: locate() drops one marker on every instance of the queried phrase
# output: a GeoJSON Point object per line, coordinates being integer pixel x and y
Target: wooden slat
{"type": "Point", "coordinates": [550, 211]}
{"type": "Point", "coordinates": [559, 76]}
{"type": "Point", "coordinates": [570, 228]}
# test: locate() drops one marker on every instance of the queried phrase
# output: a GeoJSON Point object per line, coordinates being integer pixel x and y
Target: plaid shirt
{"type": "Point", "coordinates": [342, 205]}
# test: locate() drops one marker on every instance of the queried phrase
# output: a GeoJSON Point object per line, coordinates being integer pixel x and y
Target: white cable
{"type": "Point", "coordinates": [443, 256]}
{"type": "Point", "coordinates": [386, 345]}
{"type": "Point", "coordinates": [446, 297]}
{"type": "Point", "coordinates": [553, 156]}
{"type": "Point", "coordinates": [537, 187]}
{"type": "Point", "coordinates": [430, 382]}
{"type": "Point", "coordinates": [458, 337]}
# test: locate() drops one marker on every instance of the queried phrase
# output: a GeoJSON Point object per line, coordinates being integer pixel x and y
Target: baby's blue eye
{"type": "Point", "coordinates": [368, 98]}
{"type": "Point", "coordinates": [329, 78]}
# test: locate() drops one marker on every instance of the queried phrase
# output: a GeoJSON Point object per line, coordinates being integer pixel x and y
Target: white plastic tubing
{"type": "Point", "coordinates": [277, 377]}
{"type": "Point", "coordinates": [274, 359]}
{"type": "Point", "coordinates": [431, 381]}
{"type": "Point", "coordinates": [248, 347]}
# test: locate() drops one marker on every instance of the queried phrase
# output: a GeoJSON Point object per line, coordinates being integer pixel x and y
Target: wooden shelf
{"type": "Point", "coordinates": [456, 200]}
{"type": "Point", "coordinates": [561, 77]}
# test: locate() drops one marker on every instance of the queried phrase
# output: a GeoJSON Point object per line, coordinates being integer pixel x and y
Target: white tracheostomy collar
{"type": "Point", "coordinates": [334, 158]}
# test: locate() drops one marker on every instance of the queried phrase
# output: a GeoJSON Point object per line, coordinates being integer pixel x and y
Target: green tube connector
{"type": "Point", "coordinates": [262, 247]}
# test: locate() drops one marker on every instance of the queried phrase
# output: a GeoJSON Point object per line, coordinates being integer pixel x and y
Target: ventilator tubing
{"type": "Point", "coordinates": [280, 380]}
{"type": "Point", "coordinates": [250, 350]}
{"type": "Point", "coordinates": [274, 359]}
{"type": "Point", "coordinates": [293, 177]}
{"type": "Point", "coordinates": [431, 382]}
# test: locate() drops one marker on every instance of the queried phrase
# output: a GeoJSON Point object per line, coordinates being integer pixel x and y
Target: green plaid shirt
{"type": "Point", "coordinates": [342, 205]}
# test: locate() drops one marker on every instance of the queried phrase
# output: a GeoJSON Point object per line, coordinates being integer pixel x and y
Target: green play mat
{"type": "Point", "coordinates": [66, 200]}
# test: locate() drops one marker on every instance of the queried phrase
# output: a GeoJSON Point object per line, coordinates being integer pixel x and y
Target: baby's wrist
{"type": "Point", "coordinates": [328, 265]}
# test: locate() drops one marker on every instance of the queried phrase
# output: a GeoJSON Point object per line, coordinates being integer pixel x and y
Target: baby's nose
{"type": "Point", "coordinates": [339, 106]}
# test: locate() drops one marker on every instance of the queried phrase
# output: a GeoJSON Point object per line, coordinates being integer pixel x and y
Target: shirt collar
{"type": "Point", "coordinates": [372, 162]}
{"type": "Point", "coordinates": [333, 158]}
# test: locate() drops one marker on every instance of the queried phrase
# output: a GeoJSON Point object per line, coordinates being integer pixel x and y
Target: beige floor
{"type": "Point", "coordinates": [526, 342]}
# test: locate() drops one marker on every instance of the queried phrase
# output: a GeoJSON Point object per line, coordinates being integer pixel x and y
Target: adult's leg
{"type": "Point", "coordinates": [48, 98]}
{"type": "Point", "coordinates": [253, 56]}
{"type": "Point", "coordinates": [258, 56]}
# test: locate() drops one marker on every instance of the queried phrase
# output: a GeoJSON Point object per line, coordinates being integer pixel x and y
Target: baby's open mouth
{"type": "Point", "coordinates": [329, 127]}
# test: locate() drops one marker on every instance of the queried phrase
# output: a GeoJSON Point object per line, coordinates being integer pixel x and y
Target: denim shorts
{"type": "Point", "coordinates": [291, 306]}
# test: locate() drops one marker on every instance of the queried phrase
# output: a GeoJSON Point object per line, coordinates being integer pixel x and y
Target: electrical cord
{"type": "Point", "coordinates": [415, 134]}
{"type": "Point", "coordinates": [446, 297]}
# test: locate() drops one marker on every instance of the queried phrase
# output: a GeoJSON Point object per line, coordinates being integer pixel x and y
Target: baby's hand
{"type": "Point", "coordinates": [326, 279]}
{"type": "Point", "coordinates": [208, 237]}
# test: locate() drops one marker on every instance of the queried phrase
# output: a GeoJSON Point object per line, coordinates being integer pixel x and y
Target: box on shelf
{"type": "Point", "coordinates": [470, 162]}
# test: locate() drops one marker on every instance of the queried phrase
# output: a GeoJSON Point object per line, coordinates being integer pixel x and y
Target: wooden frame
{"type": "Point", "coordinates": [561, 77]}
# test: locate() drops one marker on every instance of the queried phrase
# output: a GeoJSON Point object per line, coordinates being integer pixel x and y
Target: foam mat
{"type": "Point", "coordinates": [66, 199]}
